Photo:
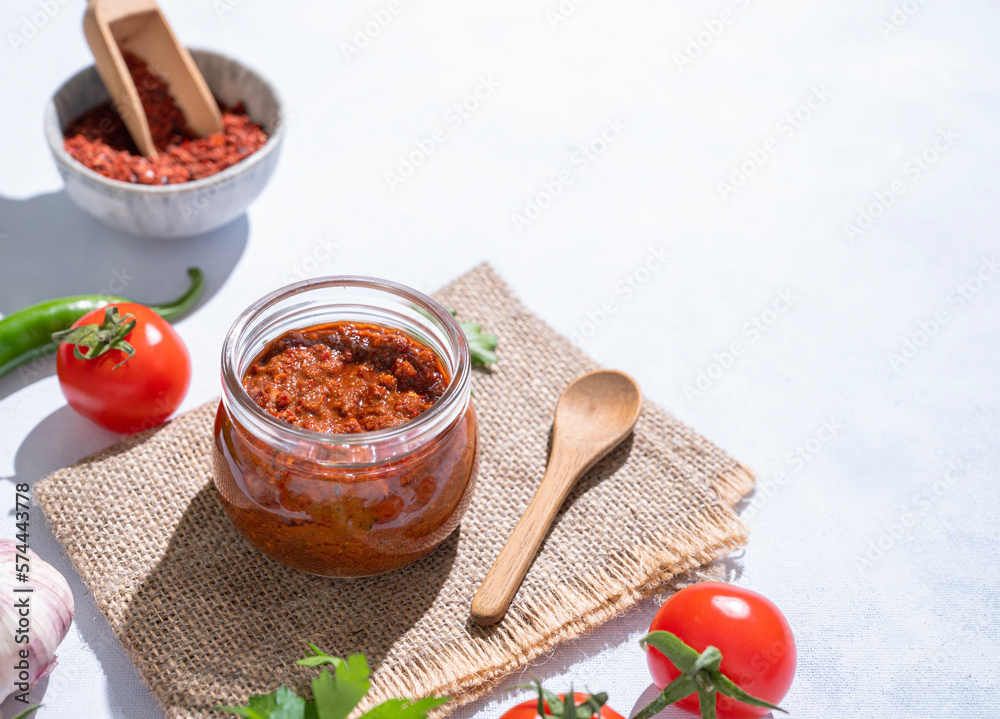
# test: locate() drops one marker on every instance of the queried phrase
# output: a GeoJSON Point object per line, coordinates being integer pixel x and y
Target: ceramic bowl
{"type": "Point", "coordinates": [185, 209]}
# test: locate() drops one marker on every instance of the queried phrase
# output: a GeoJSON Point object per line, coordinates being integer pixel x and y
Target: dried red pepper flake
{"type": "Point", "coordinates": [99, 140]}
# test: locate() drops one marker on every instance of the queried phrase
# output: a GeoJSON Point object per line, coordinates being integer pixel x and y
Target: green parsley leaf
{"type": "Point", "coordinates": [290, 705]}
{"type": "Point", "coordinates": [317, 657]}
{"type": "Point", "coordinates": [481, 344]}
{"type": "Point", "coordinates": [404, 708]}
{"type": "Point", "coordinates": [282, 703]}
{"type": "Point", "coordinates": [337, 694]}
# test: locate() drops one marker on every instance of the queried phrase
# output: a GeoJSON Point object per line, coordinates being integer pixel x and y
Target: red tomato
{"type": "Point", "coordinates": [529, 709]}
{"type": "Point", "coordinates": [758, 649]}
{"type": "Point", "coordinates": [140, 393]}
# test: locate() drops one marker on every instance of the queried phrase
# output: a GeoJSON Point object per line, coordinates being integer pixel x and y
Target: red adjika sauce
{"type": "Point", "coordinates": [346, 520]}
{"type": "Point", "coordinates": [345, 378]}
{"type": "Point", "coordinates": [99, 140]}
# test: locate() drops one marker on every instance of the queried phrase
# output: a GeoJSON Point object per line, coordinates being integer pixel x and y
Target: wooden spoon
{"type": "Point", "coordinates": [138, 26]}
{"type": "Point", "coordinates": [595, 413]}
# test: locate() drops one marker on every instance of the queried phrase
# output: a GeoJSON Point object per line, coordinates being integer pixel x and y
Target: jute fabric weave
{"type": "Point", "coordinates": [209, 620]}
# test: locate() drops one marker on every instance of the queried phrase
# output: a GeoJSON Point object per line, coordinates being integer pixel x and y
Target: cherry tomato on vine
{"type": "Point", "coordinates": [529, 709]}
{"type": "Point", "coordinates": [753, 636]}
{"type": "Point", "coordinates": [123, 367]}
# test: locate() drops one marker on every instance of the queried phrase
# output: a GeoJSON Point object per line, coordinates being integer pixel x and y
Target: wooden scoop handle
{"type": "Point", "coordinates": [503, 580]}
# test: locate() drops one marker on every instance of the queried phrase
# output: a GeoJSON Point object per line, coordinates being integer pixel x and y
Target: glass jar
{"type": "Point", "coordinates": [346, 505]}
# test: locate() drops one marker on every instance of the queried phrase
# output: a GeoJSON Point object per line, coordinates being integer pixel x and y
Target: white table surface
{"type": "Point", "coordinates": [915, 634]}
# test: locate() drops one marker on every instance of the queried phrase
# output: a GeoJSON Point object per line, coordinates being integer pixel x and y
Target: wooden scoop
{"type": "Point", "coordinates": [595, 413]}
{"type": "Point", "coordinates": [138, 26]}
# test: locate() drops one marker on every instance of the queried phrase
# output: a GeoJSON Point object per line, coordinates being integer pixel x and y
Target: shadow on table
{"type": "Point", "coordinates": [50, 248]}
{"type": "Point", "coordinates": [216, 620]}
{"type": "Point", "coordinates": [649, 695]}
{"type": "Point", "coordinates": [560, 662]}
{"type": "Point", "coordinates": [608, 635]}
{"type": "Point", "coordinates": [671, 712]}
{"type": "Point", "coordinates": [58, 440]}
{"type": "Point", "coordinates": [12, 707]}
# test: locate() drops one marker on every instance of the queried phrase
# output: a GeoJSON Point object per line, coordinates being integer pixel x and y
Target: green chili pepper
{"type": "Point", "coordinates": [27, 333]}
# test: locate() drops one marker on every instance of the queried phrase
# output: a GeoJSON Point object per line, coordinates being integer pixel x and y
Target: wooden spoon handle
{"type": "Point", "coordinates": [505, 576]}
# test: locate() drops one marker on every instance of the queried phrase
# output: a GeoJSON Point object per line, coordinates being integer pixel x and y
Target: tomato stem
{"type": "Point", "coordinates": [99, 339]}
{"type": "Point", "coordinates": [549, 704]}
{"type": "Point", "coordinates": [699, 673]}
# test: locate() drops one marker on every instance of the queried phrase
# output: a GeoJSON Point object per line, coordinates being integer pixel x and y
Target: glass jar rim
{"type": "Point", "coordinates": [433, 420]}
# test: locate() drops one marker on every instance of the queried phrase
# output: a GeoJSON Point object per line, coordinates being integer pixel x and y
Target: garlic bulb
{"type": "Point", "coordinates": [33, 622]}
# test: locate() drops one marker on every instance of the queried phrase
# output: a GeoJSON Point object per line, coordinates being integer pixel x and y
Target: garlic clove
{"type": "Point", "coordinates": [49, 614]}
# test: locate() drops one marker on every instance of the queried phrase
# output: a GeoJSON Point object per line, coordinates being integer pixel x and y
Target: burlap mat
{"type": "Point", "coordinates": [207, 619]}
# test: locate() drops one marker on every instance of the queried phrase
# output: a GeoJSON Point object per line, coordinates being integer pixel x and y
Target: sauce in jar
{"type": "Point", "coordinates": [345, 448]}
{"type": "Point", "coordinates": [344, 377]}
